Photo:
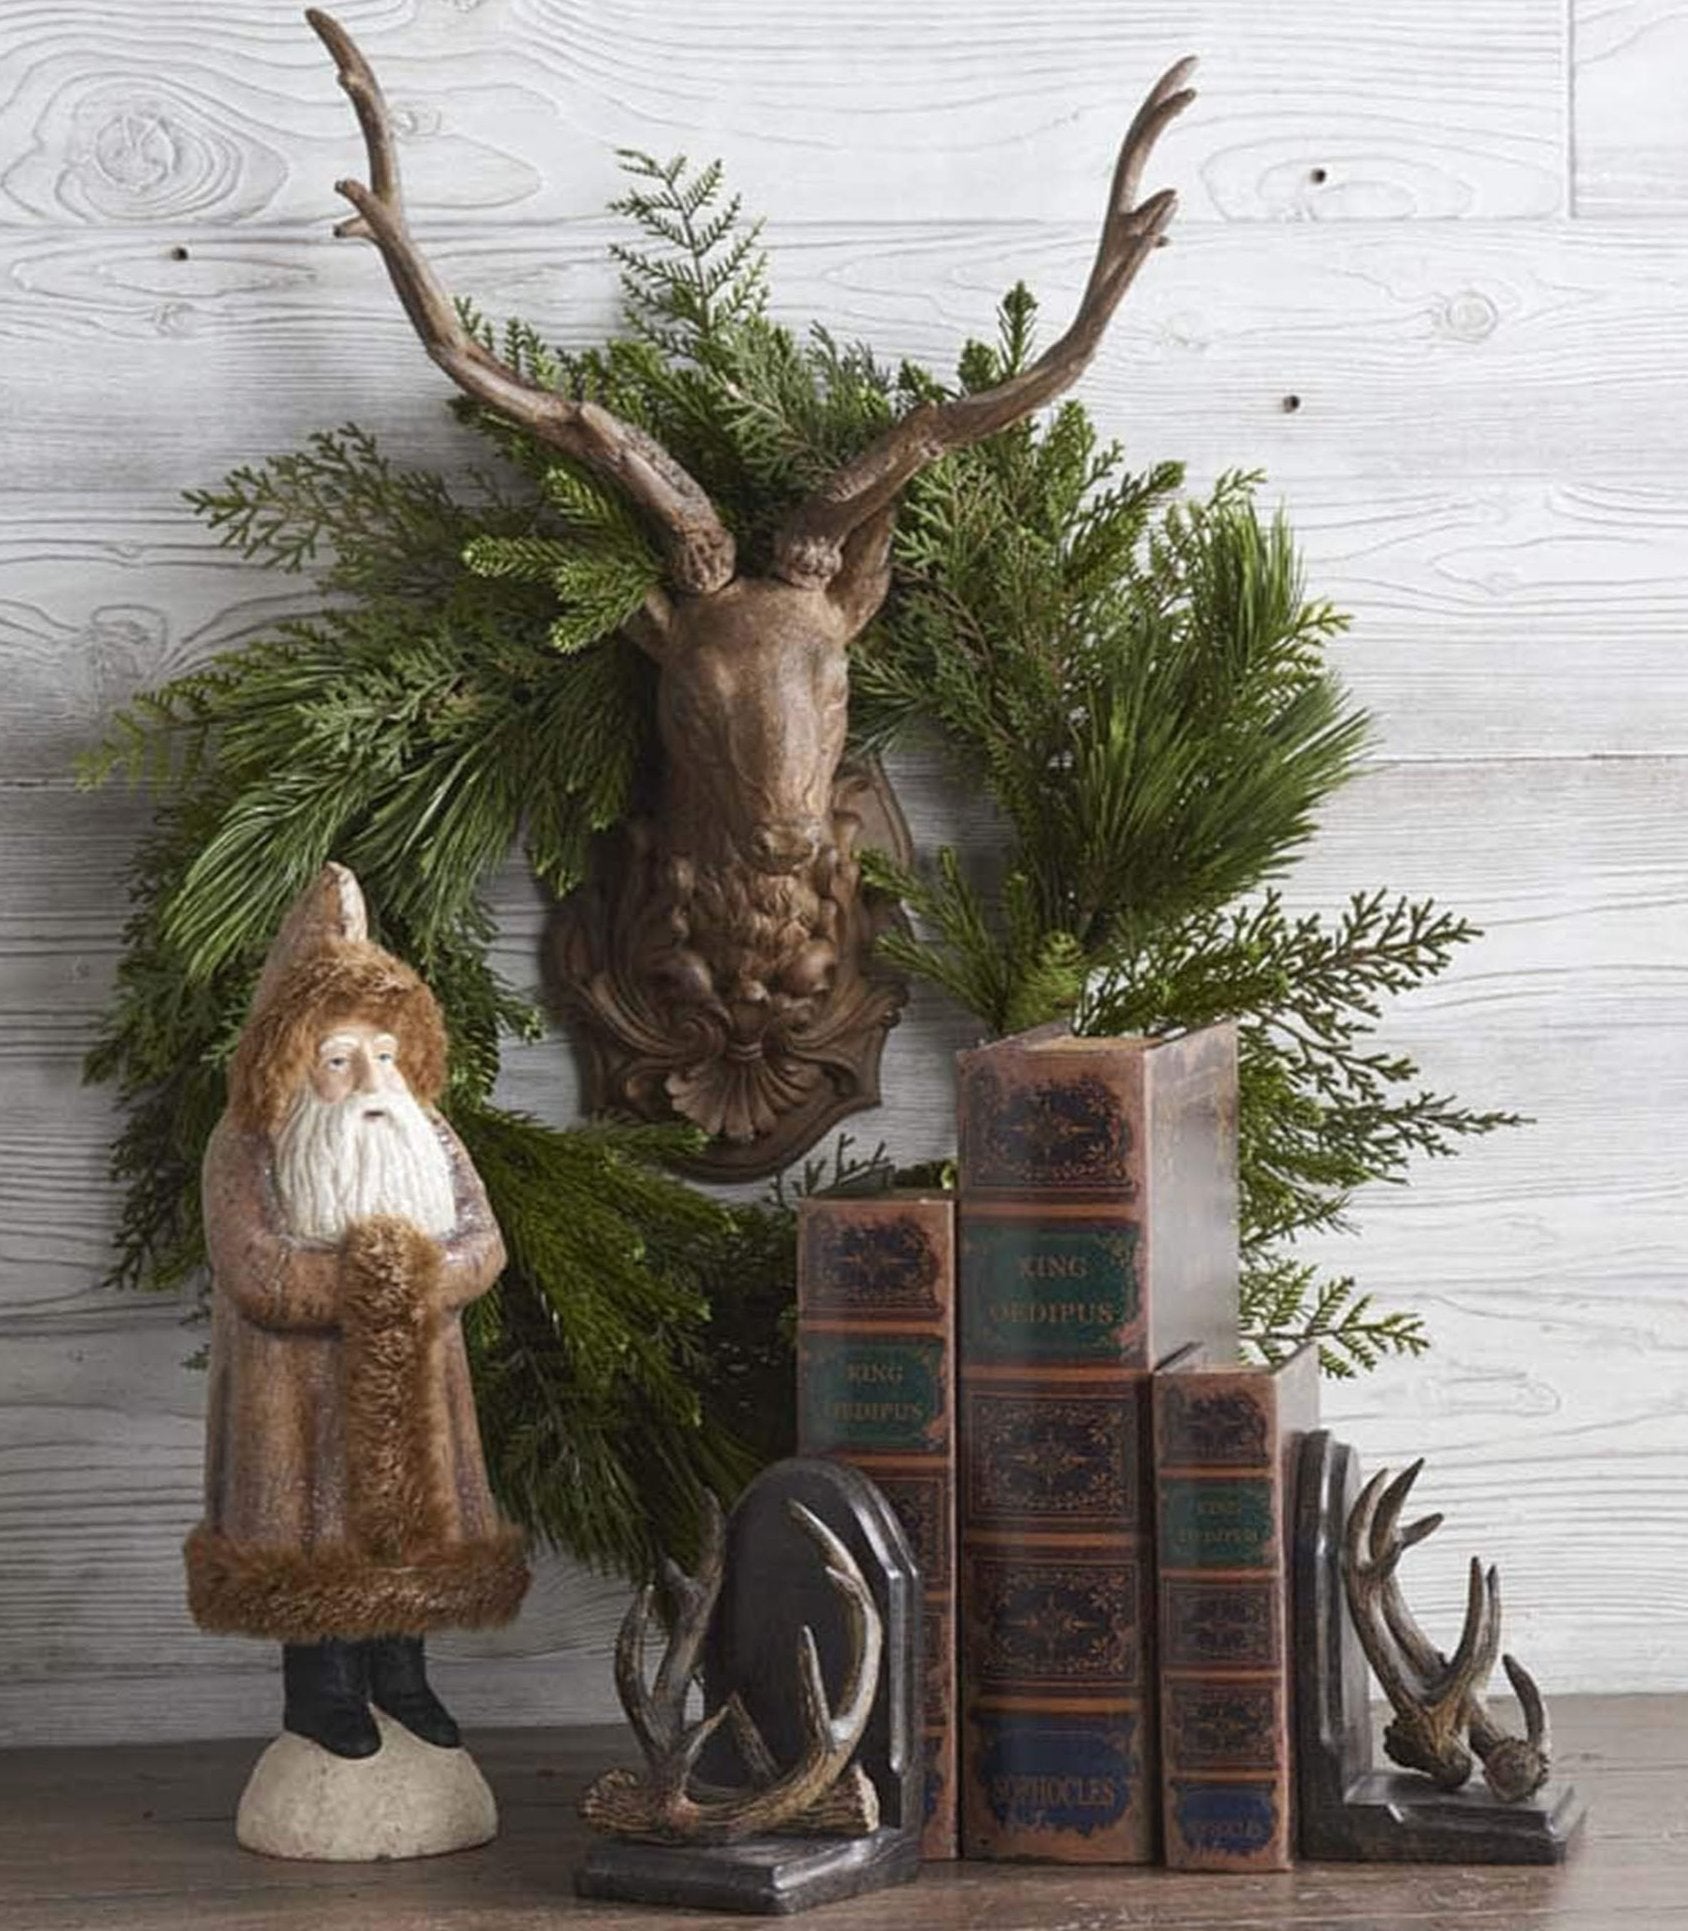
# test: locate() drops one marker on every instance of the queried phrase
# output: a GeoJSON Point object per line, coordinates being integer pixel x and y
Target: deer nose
{"type": "Point", "coordinates": [784, 848]}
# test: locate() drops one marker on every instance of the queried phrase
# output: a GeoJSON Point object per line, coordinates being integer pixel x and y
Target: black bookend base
{"type": "Point", "coordinates": [766, 1877]}
{"type": "Point", "coordinates": [1393, 1818]}
{"type": "Point", "coordinates": [1352, 1812]}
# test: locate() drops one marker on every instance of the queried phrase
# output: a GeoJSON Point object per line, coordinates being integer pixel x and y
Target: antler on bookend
{"type": "Point", "coordinates": [719, 963]}
{"type": "Point", "coordinates": [1437, 1700]}
{"type": "Point", "coordinates": [822, 1792]}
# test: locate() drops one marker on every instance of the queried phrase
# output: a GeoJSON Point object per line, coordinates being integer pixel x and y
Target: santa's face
{"type": "Point", "coordinates": [356, 1058]}
{"type": "Point", "coordinates": [357, 1143]}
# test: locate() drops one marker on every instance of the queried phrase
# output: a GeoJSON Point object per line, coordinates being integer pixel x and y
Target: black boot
{"type": "Point", "coordinates": [327, 1686]}
{"type": "Point", "coordinates": [398, 1684]}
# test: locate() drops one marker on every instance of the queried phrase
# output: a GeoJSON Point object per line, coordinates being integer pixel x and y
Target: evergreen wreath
{"type": "Point", "coordinates": [1135, 682]}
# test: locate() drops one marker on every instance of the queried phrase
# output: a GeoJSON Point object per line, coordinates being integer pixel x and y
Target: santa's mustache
{"type": "Point", "coordinates": [361, 1106]}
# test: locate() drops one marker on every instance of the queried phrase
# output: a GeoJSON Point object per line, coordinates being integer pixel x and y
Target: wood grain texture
{"type": "Point", "coordinates": [1423, 355]}
{"type": "Point", "coordinates": [143, 1839]}
{"type": "Point", "coordinates": [510, 111]}
{"type": "Point", "coordinates": [1628, 137]}
{"type": "Point", "coordinates": [1548, 1261]}
{"type": "Point", "coordinates": [1480, 469]}
{"type": "Point", "coordinates": [103, 595]}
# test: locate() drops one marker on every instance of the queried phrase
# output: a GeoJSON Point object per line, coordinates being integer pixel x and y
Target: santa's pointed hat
{"type": "Point", "coordinates": [323, 970]}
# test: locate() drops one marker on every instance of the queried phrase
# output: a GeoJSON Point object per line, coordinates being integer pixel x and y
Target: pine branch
{"type": "Point", "coordinates": [590, 1354]}
{"type": "Point", "coordinates": [995, 961]}
{"type": "Point", "coordinates": [1323, 1113]}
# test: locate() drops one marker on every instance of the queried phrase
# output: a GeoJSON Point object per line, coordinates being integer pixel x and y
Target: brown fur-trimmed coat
{"type": "Point", "coordinates": [345, 1493]}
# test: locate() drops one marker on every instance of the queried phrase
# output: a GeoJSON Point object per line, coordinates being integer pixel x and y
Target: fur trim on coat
{"type": "Point", "coordinates": [299, 1596]}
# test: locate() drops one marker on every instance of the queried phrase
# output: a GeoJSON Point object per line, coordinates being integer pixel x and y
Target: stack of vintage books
{"type": "Point", "coordinates": [1042, 1373]}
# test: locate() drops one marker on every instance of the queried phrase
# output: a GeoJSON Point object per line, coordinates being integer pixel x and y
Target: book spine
{"type": "Point", "coordinates": [876, 1388]}
{"type": "Point", "coordinates": [1058, 1757]}
{"type": "Point", "coordinates": [1222, 1444]}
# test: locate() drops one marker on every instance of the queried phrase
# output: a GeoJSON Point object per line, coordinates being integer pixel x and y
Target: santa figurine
{"type": "Point", "coordinates": [347, 1512]}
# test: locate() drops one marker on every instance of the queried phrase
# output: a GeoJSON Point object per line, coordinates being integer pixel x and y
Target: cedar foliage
{"type": "Point", "coordinates": [1136, 680]}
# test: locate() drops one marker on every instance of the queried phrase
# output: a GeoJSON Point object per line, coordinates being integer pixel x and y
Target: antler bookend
{"type": "Point", "coordinates": [799, 1778]}
{"type": "Point", "coordinates": [823, 1791]}
{"type": "Point", "coordinates": [1437, 1700]}
{"type": "Point", "coordinates": [1352, 1621]}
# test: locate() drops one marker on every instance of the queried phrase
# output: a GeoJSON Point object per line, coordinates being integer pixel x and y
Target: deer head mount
{"type": "Point", "coordinates": [1437, 1700]}
{"type": "Point", "coordinates": [719, 963]}
{"type": "Point", "coordinates": [822, 1792]}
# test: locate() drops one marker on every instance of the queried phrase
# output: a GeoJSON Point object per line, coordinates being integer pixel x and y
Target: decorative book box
{"type": "Point", "coordinates": [876, 1378]}
{"type": "Point", "coordinates": [1226, 1439]}
{"type": "Point", "coordinates": [1098, 1234]}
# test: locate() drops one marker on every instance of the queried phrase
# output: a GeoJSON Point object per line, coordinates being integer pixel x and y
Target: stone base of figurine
{"type": "Point", "coordinates": [411, 1799]}
{"type": "Point", "coordinates": [764, 1877]}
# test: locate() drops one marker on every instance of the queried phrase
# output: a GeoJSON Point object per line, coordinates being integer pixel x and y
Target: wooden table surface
{"type": "Point", "coordinates": [142, 1838]}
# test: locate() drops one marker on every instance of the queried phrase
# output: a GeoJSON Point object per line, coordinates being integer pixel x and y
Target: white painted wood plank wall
{"type": "Point", "coordinates": [1457, 232]}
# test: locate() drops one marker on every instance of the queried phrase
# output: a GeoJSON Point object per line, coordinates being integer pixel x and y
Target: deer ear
{"type": "Point", "coordinates": [651, 626]}
{"type": "Point", "coordinates": [864, 575]}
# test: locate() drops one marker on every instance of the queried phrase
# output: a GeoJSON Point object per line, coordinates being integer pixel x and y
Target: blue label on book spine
{"type": "Point", "coordinates": [1227, 1820]}
{"type": "Point", "coordinates": [1069, 1773]}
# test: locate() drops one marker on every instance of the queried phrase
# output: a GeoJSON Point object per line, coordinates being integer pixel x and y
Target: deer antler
{"type": "Point", "coordinates": [1428, 1693]}
{"type": "Point", "coordinates": [699, 546]}
{"type": "Point", "coordinates": [814, 1792]}
{"type": "Point", "coordinates": [809, 549]}
{"type": "Point", "coordinates": [1513, 1767]}
{"type": "Point", "coordinates": [657, 1713]}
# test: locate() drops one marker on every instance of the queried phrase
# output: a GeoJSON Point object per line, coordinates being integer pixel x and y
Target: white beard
{"type": "Point", "coordinates": [339, 1161]}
